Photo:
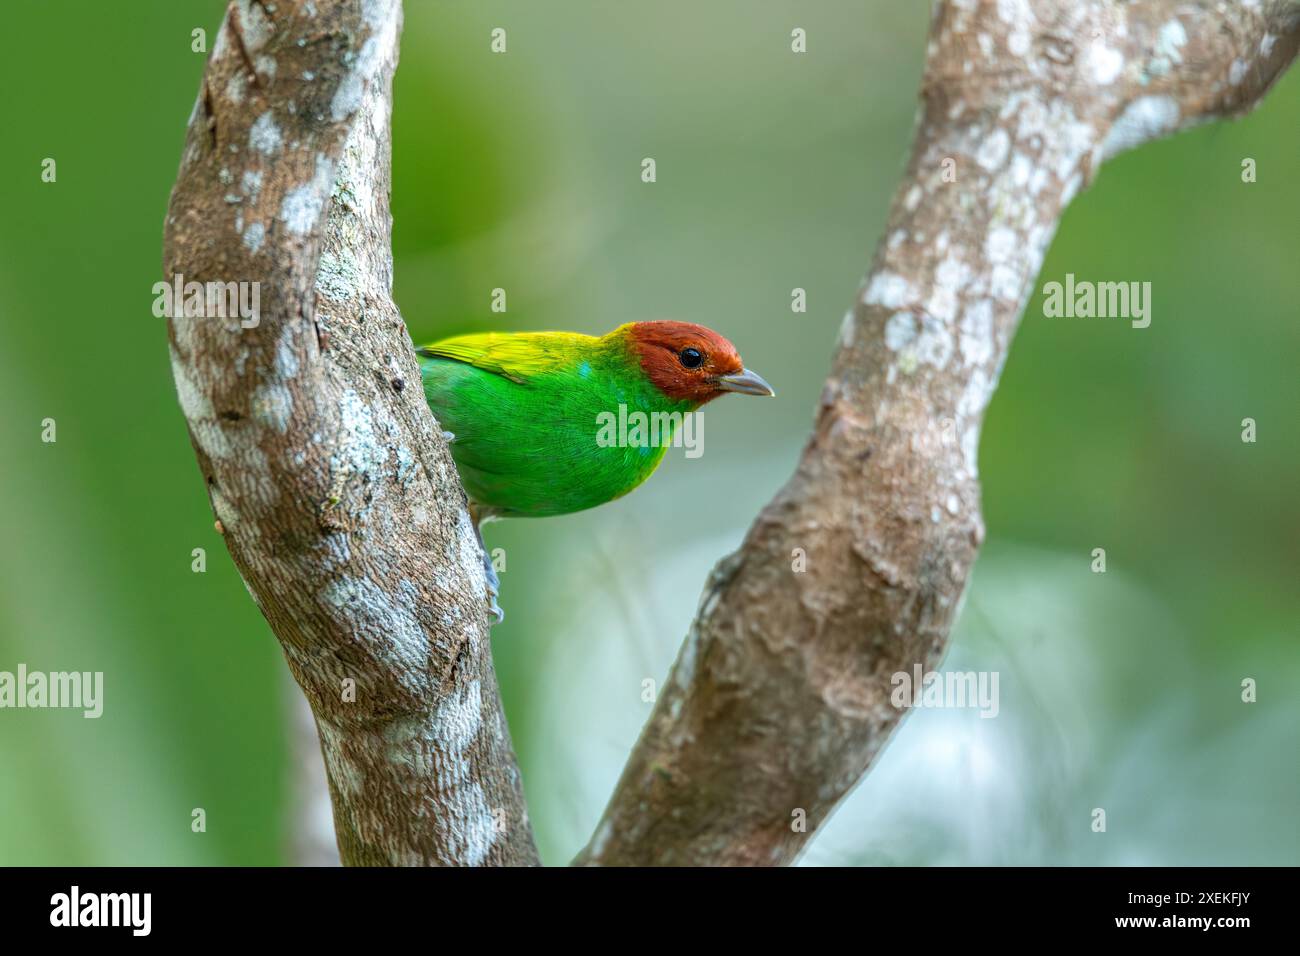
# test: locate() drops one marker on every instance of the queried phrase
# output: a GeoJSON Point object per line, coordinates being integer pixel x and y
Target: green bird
{"type": "Point", "coordinates": [527, 414]}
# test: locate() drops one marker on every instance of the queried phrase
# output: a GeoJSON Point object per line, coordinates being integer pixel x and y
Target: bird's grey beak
{"type": "Point", "coordinates": [745, 382]}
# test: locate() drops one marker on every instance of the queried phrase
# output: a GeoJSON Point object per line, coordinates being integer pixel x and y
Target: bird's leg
{"type": "Point", "coordinates": [493, 585]}
{"type": "Point", "coordinates": [489, 572]}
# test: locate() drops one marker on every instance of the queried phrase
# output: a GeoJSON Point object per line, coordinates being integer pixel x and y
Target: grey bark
{"type": "Point", "coordinates": [780, 697]}
{"type": "Point", "coordinates": [335, 492]}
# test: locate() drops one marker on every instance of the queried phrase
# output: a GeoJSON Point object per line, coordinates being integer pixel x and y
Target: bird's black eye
{"type": "Point", "coordinates": [691, 358]}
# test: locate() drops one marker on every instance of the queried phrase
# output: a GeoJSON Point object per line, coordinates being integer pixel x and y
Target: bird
{"type": "Point", "coordinates": [523, 412]}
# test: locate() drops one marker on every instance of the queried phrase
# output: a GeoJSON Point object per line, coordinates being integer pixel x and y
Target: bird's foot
{"type": "Point", "coordinates": [493, 584]}
{"type": "Point", "coordinates": [494, 609]}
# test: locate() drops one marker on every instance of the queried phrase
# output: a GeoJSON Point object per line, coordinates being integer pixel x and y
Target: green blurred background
{"type": "Point", "coordinates": [521, 171]}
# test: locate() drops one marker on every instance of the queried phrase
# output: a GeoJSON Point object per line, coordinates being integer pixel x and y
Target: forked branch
{"type": "Point", "coordinates": [341, 507]}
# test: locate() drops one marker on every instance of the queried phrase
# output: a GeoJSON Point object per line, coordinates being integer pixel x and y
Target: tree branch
{"type": "Point", "coordinates": [780, 697]}
{"type": "Point", "coordinates": [325, 469]}
{"type": "Point", "coordinates": [341, 507]}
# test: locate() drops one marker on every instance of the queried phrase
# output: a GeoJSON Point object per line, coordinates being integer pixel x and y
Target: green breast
{"type": "Point", "coordinates": [538, 448]}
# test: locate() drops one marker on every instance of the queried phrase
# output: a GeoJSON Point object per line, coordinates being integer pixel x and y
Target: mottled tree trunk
{"type": "Point", "coordinates": [336, 494]}
{"type": "Point", "coordinates": [780, 698]}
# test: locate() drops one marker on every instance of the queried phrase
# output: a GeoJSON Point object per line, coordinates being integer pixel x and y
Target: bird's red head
{"type": "Point", "coordinates": [688, 362]}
